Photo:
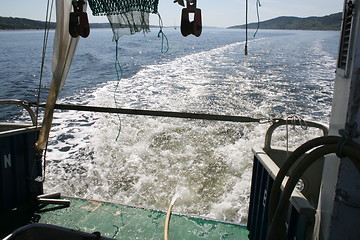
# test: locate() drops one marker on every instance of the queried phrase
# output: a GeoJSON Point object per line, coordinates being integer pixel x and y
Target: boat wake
{"type": "Point", "coordinates": [205, 165]}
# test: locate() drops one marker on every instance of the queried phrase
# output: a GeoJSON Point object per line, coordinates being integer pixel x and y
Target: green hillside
{"type": "Point", "coordinates": [329, 22]}
{"type": "Point", "coordinates": [10, 23]}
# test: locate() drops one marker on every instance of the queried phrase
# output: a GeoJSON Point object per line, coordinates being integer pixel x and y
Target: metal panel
{"type": "Point", "coordinates": [259, 201]}
{"type": "Point", "coordinates": [297, 225]}
{"type": "Point", "coordinates": [18, 168]}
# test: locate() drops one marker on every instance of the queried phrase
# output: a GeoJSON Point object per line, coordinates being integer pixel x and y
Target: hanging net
{"type": "Point", "coordinates": [125, 16]}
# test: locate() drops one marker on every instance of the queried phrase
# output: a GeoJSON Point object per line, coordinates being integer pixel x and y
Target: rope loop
{"type": "Point", "coordinates": [293, 120]}
{"type": "Point", "coordinates": [164, 39]}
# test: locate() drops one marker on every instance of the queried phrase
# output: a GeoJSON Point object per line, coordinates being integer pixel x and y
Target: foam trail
{"type": "Point", "coordinates": [207, 164]}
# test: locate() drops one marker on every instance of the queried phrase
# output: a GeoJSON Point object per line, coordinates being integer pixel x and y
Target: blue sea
{"type": "Point", "coordinates": [205, 165]}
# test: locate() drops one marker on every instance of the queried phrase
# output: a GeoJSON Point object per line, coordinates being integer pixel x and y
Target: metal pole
{"type": "Point", "coordinates": [203, 116]}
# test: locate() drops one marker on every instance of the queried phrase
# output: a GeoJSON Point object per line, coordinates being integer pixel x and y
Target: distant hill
{"type": "Point", "coordinates": [329, 22]}
{"type": "Point", "coordinates": [13, 23]}
{"type": "Point", "coordinates": [10, 23]}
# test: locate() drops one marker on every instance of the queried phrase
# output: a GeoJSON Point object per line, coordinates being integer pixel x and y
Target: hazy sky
{"type": "Point", "coordinates": [222, 13]}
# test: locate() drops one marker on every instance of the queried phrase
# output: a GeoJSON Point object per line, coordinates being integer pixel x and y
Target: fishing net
{"type": "Point", "coordinates": [125, 16]}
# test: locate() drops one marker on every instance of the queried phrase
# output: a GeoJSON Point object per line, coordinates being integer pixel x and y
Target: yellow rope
{"type": "Point", "coordinates": [167, 220]}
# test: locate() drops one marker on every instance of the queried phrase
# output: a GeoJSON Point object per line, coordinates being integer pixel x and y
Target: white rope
{"type": "Point", "coordinates": [293, 120]}
{"type": "Point", "coordinates": [167, 219]}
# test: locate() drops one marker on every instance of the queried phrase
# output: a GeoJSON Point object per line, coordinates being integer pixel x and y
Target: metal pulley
{"type": "Point", "coordinates": [79, 23]}
{"type": "Point", "coordinates": [190, 27]}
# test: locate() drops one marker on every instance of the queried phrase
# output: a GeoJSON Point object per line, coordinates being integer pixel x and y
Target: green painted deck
{"type": "Point", "coordinates": [127, 222]}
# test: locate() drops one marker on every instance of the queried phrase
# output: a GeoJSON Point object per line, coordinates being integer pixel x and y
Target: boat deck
{"type": "Point", "coordinates": [126, 222]}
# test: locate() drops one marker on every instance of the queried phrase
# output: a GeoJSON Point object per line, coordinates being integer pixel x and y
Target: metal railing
{"type": "Point", "coordinates": [23, 104]}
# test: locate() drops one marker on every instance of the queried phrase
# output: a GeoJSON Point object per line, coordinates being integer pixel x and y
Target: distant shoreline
{"type": "Point", "coordinates": [156, 28]}
{"type": "Point", "coordinates": [328, 22]}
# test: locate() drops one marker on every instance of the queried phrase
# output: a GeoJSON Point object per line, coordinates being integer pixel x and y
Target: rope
{"type": "Point", "coordinates": [116, 232]}
{"type": "Point", "coordinates": [119, 77]}
{"type": "Point", "coordinates": [258, 4]}
{"type": "Point", "coordinates": [163, 36]}
{"type": "Point", "coordinates": [167, 219]}
{"type": "Point", "coordinates": [45, 41]}
{"type": "Point", "coordinates": [37, 155]}
{"type": "Point", "coordinates": [44, 165]}
{"type": "Point", "coordinates": [119, 72]}
{"type": "Point", "coordinates": [294, 118]}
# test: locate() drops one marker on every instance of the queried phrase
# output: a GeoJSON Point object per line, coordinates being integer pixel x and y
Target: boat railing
{"type": "Point", "coordinates": [311, 179]}
{"type": "Point", "coordinates": [23, 104]}
{"type": "Point", "coordinates": [283, 122]}
{"type": "Point", "coordinates": [304, 199]}
{"type": "Point", "coordinates": [301, 213]}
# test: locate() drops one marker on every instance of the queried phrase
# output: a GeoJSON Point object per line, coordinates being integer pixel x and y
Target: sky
{"type": "Point", "coordinates": [223, 13]}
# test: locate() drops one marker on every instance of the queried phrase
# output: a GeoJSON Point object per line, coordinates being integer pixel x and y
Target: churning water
{"type": "Point", "coordinates": [206, 165]}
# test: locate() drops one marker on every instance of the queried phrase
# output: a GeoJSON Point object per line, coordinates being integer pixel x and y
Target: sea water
{"type": "Point", "coordinates": [150, 161]}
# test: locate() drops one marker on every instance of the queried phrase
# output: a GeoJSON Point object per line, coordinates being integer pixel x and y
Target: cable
{"type": "Point", "coordinates": [45, 41]}
{"type": "Point", "coordinates": [277, 230]}
{"type": "Point", "coordinates": [292, 159]}
{"type": "Point", "coordinates": [246, 26]}
{"type": "Point", "coordinates": [37, 155]}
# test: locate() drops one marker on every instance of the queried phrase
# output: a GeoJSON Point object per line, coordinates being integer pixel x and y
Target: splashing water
{"type": "Point", "coordinates": [204, 166]}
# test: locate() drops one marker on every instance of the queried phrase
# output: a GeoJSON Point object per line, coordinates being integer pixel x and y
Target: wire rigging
{"type": "Point", "coordinates": [49, 9]}
{"type": "Point", "coordinates": [45, 42]}
{"type": "Point", "coordinates": [246, 26]}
